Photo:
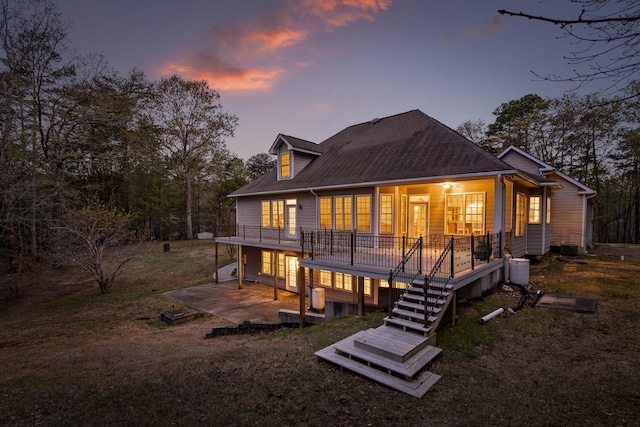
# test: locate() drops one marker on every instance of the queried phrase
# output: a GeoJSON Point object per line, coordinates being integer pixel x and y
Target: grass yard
{"type": "Point", "coordinates": [70, 356]}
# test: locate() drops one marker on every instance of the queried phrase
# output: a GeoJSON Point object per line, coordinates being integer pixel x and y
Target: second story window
{"type": "Point", "coordinates": [343, 213]}
{"type": "Point", "coordinates": [285, 165]}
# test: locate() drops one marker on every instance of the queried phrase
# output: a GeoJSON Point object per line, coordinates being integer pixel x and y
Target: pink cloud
{"type": "Point", "coordinates": [251, 46]}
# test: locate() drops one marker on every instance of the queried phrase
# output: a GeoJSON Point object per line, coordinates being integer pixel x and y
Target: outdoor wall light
{"type": "Point", "coordinates": [447, 185]}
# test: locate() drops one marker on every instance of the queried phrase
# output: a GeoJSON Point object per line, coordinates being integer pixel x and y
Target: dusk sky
{"type": "Point", "coordinates": [309, 68]}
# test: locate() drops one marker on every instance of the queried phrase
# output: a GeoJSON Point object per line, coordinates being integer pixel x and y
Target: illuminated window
{"type": "Point", "coordinates": [325, 278]}
{"type": "Point", "coordinates": [281, 268]}
{"type": "Point", "coordinates": [325, 213]}
{"type": "Point", "coordinates": [285, 165]}
{"type": "Point", "coordinates": [465, 213]}
{"type": "Point", "coordinates": [403, 214]}
{"type": "Point", "coordinates": [343, 213]}
{"type": "Point", "coordinates": [343, 281]}
{"type": "Point", "coordinates": [367, 286]}
{"type": "Point", "coordinates": [534, 209]}
{"type": "Point", "coordinates": [363, 213]}
{"type": "Point", "coordinates": [386, 213]}
{"type": "Point", "coordinates": [277, 213]}
{"type": "Point", "coordinates": [266, 262]}
{"type": "Point", "coordinates": [266, 213]}
{"type": "Point", "coordinates": [548, 216]}
{"type": "Point", "coordinates": [521, 208]}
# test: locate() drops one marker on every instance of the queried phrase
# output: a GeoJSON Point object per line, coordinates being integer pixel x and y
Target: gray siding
{"type": "Point", "coordinates": [522, 163]}
{"type": "Point", "coordinates": [567, 219]}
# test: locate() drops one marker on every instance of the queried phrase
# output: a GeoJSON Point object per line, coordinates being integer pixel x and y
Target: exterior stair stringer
{"type": "Point", "coordinates": [397, 353]}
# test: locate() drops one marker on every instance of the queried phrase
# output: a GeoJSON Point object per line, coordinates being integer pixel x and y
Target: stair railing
{"type": "Point", "coordinates": [400, 268]}
{"type": "Point", "coordinates": [428, 279]}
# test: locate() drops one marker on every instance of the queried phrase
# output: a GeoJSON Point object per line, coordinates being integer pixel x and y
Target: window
{"type": "Point", "coordinates": [267, 263]}
{"type": "Point", "coordinates": [363, 213]}
{"type": "Point", "coordinates": [266, 213]}
{"type": "Point", "coordinates": [277, 213]}
{"type": "Point", "coordinates": [325, 213]}
{"type": "Point", "coordinates": [367, 286]}
{"type": "Point", "coordinates": [403, 214]}
{"type": "Point", "coordinates": [285, 165]}
{"type": "Point", "coordinates": [534, 209]}
{"type": "Point", "coordinates": [465, 213]}
{"type": "Point", "coordinates": [521, 207]}
{"type": "Point", "coordinates": [548, 216]}
{"type": "Point", "coordinates": [325, 278]}
{"type": "Point", "coordinates": [281, 265]}
{"type": "Point", "coordinates": [386, 213]}
{"type": "Point", "coordinates": [343, 213]}
{"type": "Point", "coordinates": [343, 281]}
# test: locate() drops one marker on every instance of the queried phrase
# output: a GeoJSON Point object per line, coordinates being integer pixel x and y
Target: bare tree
{"type": "Point", "coordinates": [607, 36]}
{"type": "Point", "coordinates": [87, 236]}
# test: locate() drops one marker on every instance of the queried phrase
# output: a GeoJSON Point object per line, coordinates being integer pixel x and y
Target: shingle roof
{"type": "Point", "coordinates": [407, 146]}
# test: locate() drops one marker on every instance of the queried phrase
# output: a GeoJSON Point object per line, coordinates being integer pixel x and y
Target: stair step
{"type": "Point", "coordinates": [417, 387]}
{"type": "Point", "coordinates": [420, 298]}
{"type": "Point", "coordinates": [391, 343]}
{"type": "Point", "coordinates": [419, 308]}
{"type": "Point", "coordinates": [412, 315]}
{"type": "Point", "coordinates": [406, 370]}
{"type": "Point", "coordinates": [408, 325]}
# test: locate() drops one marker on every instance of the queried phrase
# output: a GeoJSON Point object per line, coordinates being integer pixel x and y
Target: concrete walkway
{"type": "Point", "coordinates": [254, 302]}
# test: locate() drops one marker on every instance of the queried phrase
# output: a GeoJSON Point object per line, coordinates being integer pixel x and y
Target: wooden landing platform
{"type": "Point", "coordinates": [407, 377]}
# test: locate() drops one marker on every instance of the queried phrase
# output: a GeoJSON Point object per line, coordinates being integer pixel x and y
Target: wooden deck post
{"type": "Point", "coordinates": [240, 266]}
{"type": "Point", "coordinates": [360, 295]}
{"type": "Point", "coordinates": [217, 278]}
{"type": "Point", "coordinates": [451, 312]}
{"type": "Point", "coordinates": [302, 289]}
{"type": "Point", "coordinates": [275, 275]}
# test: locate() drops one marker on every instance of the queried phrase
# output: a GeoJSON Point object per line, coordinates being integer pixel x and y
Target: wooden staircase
{"type": "Point", "coordinates": [397, 353]}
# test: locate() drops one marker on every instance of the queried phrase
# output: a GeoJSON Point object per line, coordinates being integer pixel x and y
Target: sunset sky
{"type": "Point", "coordinates": [309, 68]}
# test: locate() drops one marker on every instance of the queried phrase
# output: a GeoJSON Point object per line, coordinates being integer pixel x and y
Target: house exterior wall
{"type": "Point", "coordinates": [521, 163]}
{"type": "Point", "coordinates": [518, 243]}
{"type": "Point", "coordinates": [568, 219]}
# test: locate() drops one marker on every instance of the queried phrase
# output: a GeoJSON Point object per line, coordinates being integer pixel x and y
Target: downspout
{"type": "Point", "coordinates": [543, 220]}
{"type": "Point", "coordinates": [317, 208]}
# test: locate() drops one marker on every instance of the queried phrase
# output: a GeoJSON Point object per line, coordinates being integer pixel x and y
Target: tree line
{"type": "Point", "coordinates": [593, 139]}
{"type": "Point", "coordinates": [76, 134]}
{"type": "Point", "coordinates": [80, 142]}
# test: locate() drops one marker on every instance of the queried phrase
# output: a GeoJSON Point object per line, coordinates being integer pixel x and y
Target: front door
{"type": "Point", "coordinates": [419, 216]}
{"type": "Point", "coordinates": [292, 272]}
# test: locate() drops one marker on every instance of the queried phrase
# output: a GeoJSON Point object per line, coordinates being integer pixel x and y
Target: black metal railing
{"type": "Point", "coordinates": [408, 259]}
{"type": "Point", "coordinates": [256, 233]}
{"type": "Point", "coordinates": [439, 276]}
{"type": "Point", "coordinates": [467, 252]}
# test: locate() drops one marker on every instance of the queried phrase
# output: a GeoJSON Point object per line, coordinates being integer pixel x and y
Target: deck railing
{"type": "Point", "coordinates": [389, 252]}
{"type": "Point", "coordinates": [382, 252]}
{"type": "Point", "coordinates": [256, 233]}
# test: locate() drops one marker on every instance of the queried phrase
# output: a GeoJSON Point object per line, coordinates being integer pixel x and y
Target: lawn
{"type": "Point", "coordinates": [70, 356]}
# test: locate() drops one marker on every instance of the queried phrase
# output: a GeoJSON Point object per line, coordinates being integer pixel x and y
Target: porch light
{"type": "Point", "coordinates": [447, 185]}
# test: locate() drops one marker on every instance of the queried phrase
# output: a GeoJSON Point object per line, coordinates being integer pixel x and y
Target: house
{"type": "Point", "coordinates": [570, 222]}
{"type": "Point", "coordinates": [400, 212]}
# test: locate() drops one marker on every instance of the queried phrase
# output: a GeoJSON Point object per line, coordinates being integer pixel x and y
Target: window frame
{"type": "Point", "coordinates": [324, 214]}
{"type": "Point", "coordinates": [285, 167]}
{"type": "Point", "coordinates": [365, 216]}
{"type": "Point", "coordinates": [520, 214]}
{"type": "Point", "coordinates": [386, 215]}
{"type": "Point", "coordinates": [343, 213]}
{"type": "Point", "coordinates": [548, 211]}
{"type": "Point", "coordinates": [535, 208]}
{"type": "Point", "coordinates": [464, 213]}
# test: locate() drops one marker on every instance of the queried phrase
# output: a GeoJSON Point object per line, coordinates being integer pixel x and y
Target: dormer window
{"type": "Point", "coordinates": [285, 165]}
